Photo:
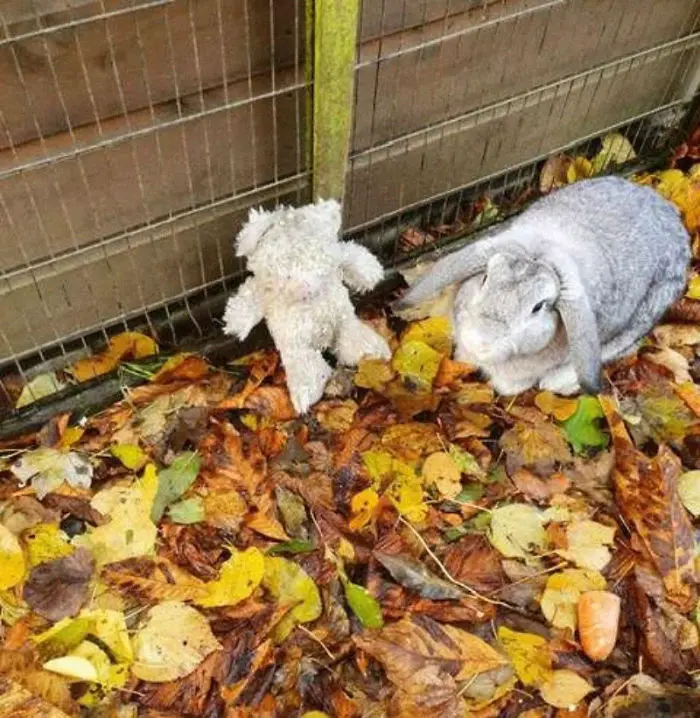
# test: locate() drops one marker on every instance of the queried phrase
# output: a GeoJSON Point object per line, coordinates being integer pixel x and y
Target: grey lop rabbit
{"type": "Point", "coordinates": [574, 282]}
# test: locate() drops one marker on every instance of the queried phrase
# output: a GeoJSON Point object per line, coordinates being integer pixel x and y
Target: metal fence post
{"type": "Point", "coordinates": [334, 25]}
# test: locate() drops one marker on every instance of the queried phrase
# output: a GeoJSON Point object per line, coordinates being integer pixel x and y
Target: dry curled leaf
{"type": "Point", "coordinates": [598, 622]}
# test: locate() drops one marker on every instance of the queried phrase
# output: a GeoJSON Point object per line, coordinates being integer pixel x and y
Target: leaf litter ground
{"type": "Point", "coordinates": [416, 546]}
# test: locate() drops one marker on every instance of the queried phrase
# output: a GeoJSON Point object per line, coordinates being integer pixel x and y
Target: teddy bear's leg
{"type": "Point", "coordinates": [307, 374]}
{"type": "Point", "coordinates": [356, 340]}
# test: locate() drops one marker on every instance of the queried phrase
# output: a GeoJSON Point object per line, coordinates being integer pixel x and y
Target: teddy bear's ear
{"type": "Point", "coordinates": [259, 221]}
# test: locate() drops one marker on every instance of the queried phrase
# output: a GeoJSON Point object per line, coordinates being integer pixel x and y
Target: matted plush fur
{"type": "Point", "coordinates": [572, 283]}
{"type": "Point", "coordinates": [300, 271]}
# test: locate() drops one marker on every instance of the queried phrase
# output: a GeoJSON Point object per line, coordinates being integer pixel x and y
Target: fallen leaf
{"type": "Point", "coordinates": [238, 579]}
{"type": "Point", "coordinates": [441, 471]}
{"type": "Point", "coordinates": [39, 387]}
{"type": "Point", "coordinates": [16, 702]}
{"type": "Point", "coordinates": [466, 462]}
{"type": "Point", "coordinates": [517, 530]}
{"type": "Point", "coordinates": [436, 332]}
{"type": "Point", "coordinates": [130, 455]}
{"type": "Point", "coordinates": [580, 168]}
{"type": "Point", "coordinates": [411, 441]}
{"type": "Point", "coordinates": [181, 367]}
{"type": "Point", "coordinates": [58, 589]}
{"type": "Point", "coordinates": [292, 587]}
{"type": "Point", "coordinates": [538, 444]}
{"type": "Point", "coordinates": [561, 408]}
{"type": "Point", "coordinates": [363, 506]}
{"type": "Point", "coordinates": [674, 361]}
{"type": "Point", "coordinates": [559, 602]}
{"type": "Point", "coordinates": [582, 427]}
{"type": "Point", "coordinates": [677, 335]}
{"type": "Point", "coordinates": [336, 415]}
{"type": "Point", "coordinates": [12, 562]}
{"type": "Point", "coordinates": [598, 622]}
{"type": "Point", "coordinates": [45, 542]}
{"type": "Point", "coordinates": [76, 667]}
{"type": "Point", "coordinates": [373, 374]}
{"type": "Point", "coordinates": [174, 481]}
{"type": "Point", "coordinates": [587, 544]}
{"type": "Point", "coordinates": [364, 605]}
{"type": "Point", "coordinates": [417, 364]}
{"type": "Point", "coordinates": [187, 511]}
{"type": "Point", "coordinates": [689, 491]}
{"type": "Point", "coordinates": [565, 689]}
{"type": "Point", "coordinates": [416, 577]}
{"type": "Point", "coordinates": [554, 173]}
{"type": "Point", "coordinates": [126, 345]}
{"type": "Point", "coordinates": [225, 509]}
{"type": "Point", "coordinates": [616, 150]}
{"type": "Point", "coordinates": [130, 531]}
{"type": "Point", "coordinates": [407, 494]}
{"type": "Point", "coordinates": [173, 640]}
{"type": "Point", "coordinates": [48, 468]}
{"type": "Point", "coordinates": [530, 655]}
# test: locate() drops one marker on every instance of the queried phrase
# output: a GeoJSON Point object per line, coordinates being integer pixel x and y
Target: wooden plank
{"type": "Point", "coordinates": [129, 56]}
{"type": "Point", "coordinates": [60, 207]}
{"type": "Point", "coordinates": [456, 158]}
{"type": "Point", "coordinates": [335, 42]}
{"type": "Point", "coordinates": [410, 91]}
{"type": "Point", "coordinates": [14, 11]}
{"type": "Point", "coordinates": [147, 269]}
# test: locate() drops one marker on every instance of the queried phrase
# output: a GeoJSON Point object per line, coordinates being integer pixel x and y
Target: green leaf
{"type": "Point", "coordinates": [174, 481]}
{"type": "Point", "coordinates": [291, 547]}
{"type": "Point", "coordinates": [470, 493]}
{"type": "Point", "coordinates": [364, 605]}
{"type": "Point", "coordinates": [187, 511]}
{"type": "Point", "coordinates": [466, 462]}
{"type": "Point", "coordinates": [582, 429]}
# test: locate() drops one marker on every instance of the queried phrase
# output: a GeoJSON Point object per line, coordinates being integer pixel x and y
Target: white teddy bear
{"type": "Point", "coordinates": [300, 269]}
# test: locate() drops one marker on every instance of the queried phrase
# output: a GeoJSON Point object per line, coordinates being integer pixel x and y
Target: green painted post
{"type": "Point", "coordinates": [334, 42]}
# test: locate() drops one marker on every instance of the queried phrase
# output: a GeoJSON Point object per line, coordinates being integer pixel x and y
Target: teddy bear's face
{"type": "Point", "coordinates": [294, 269]}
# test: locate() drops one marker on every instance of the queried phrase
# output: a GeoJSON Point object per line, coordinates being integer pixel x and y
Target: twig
{"type": "Point", "coordinates": [448, 575]}
{"type": "Point", "coordinates": [313, 637]}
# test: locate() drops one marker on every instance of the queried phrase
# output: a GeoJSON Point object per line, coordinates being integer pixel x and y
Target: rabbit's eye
{"type": "Point", "coordinates": [538, 307]}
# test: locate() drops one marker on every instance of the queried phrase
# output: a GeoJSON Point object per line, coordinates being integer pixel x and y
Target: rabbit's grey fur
{"type": "Point", "coordinates": [574, 282]}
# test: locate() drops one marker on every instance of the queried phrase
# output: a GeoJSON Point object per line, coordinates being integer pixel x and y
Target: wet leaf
{"type": "Point", "coordinates": [173, 640]}
{"type": "Point", "coordinates": [12, 562]}
{"type": "Point", "coordinates": [415, 576]}
{"type": "Point", "coordinates": [238, 579]}
{"type": "Point", "coordinates": [58, 589]}
{"type": "Point", "coordinates": [582, 427]}
{"type": "Point", "coordinates": [517, 530]}
{"type": "Point", "coordinates": [364, 605]}
{"type": "Point", "coordinates": [292, 587]}
{"type": "Point", "coordinates": [46, 469]}
{"type": "Point", "coordinates": [174, 481]}
{"type": "Point", "coordinates": [565, 689]}
{"type": "Point", "coordinates": [436, 332]}
{"type": "Point", "coordinates": [417, 364]}
{"type": "Point", "coordinates": [530, 655]}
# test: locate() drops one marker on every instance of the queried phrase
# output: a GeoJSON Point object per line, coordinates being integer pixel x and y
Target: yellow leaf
{"type": "Point", "coordinates": [580, 168]}
{"type": "Point", "coordinates": [238, 578]}
{"type": "Point", "coordinates": [225, 509]}
{"type": "Point", "coordinates": [362, 506]}
{"type": "Point", "coordinates": [559, 407]}
{"type": "Point", "coordinates": [130, 531]}
{"type": "Point", "coordinates": [587, 544]}
{"type": "Point", "coordinates": [71, 436]}
{"type": "Point", "coordinates": [673, 186]}
{"type": "Point", "coordinates": [475, 393]}
{"type": "Point", "coordinates": [131, 455]}
{"type": "Point", "coordinates": [616, 150]}
{"type": "Point", "coordinates": [45, 542]}
{"type": "Point", "coordinates": [441, 471]}
{"type": "Point", "coordinates": [412, 440]}
{"type": "Point", "coordinates": [517, 530]}
{"type": "Point", "coordinates": [689, 491]}
{"type": "Point", "coordinates": [559, 601]}
{"type": "Point", "coordinates": [436, 332]}
{"type": "Point", "coordinates": [379, 465]}
{"type": "Point", "coordinates": [565, 689]}
{"type": "Point", "coordinates": [407, 494]}
{"type": "Point", "coordinates": [109, 675]}
{"type": "Point", "coordinates": [417, 364]}
{"type": "Point", "coordinates": [130, 345]}
{"type": "Point", "coordinates": [292, 587]}
{"type": "Point", "coordinates": [336, 416]}
{"type": "Point", "coordinates": [693, 288]}
{"type": "Point", "coordinates": [41, 386]}
{"type": "Point", "coordinates": [530, 655]}
{"type": "Point", "coordinates": [75, 667]}
{"type": "Point", "coordinates": [315, 714]}
{"type": "Point", "coordinates": [373, 374]}
{"type": "Point", "coordinates": [172, 642]}
{"type": "Point", "coordinates": [12, 562]}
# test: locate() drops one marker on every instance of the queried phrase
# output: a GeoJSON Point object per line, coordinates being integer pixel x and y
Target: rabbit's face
{"type": "Point", "coordinates": [507, 311]}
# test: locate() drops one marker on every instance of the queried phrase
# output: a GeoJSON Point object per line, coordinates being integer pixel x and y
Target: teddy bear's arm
{"type": "Point", "coordinates": [243, 310]}
{"type": "Point", "coordinates": [360, 269]}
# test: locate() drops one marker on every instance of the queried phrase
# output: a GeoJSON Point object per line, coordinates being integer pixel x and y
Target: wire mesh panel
{"type": "Point", "coordinates": [452, 92]}
{"type": "Point", "coordinates": [133, 135]}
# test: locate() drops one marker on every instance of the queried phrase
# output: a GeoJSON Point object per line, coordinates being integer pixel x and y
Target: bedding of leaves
{"type": "Point", "coordinates": [415, 546]}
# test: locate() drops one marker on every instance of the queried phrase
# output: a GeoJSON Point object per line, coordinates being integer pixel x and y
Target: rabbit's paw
{"type": "Point", "coordinates": [562, 381]}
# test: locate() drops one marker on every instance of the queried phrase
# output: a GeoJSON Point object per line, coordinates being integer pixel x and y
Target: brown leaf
{"type": "Point", "coordinates": [539, 489]}
{"type": "Point", "coordinates": [57, 589]}
{"type": "Point", "coordinates": [18, 702]}
{"type": "Point", "coordinates": [272, 402]}
{"type": "Point", "coordinates": [415, 576]}
{"type": "Point", "coordinates": [646, 493]}
{"type": "Point", "coordinates": [473, 561]}
{"type": "Point", "coordinates": [539, 444]}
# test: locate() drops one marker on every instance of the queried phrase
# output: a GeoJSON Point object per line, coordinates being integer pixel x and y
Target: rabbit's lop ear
{"type": "Point", "coordinates": [580, 325]}
{"type": "Point", "coordinates": [259, 221]}
{"type": "Point", "coordinates": [455, 267]}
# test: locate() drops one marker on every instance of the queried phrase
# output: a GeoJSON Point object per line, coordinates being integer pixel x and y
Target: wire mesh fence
{"type": "Point", "coordinates": [135, 134]}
